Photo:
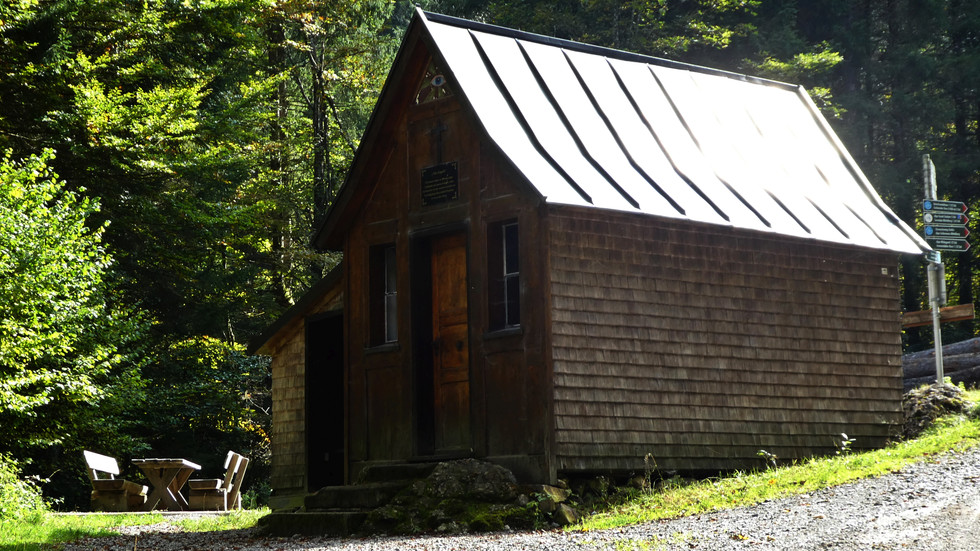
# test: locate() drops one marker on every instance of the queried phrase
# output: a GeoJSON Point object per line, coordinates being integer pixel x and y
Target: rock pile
{"type": "Point", "coordinates": [469, 495]}
{"type": "Point", "coordinates": [923, 405]}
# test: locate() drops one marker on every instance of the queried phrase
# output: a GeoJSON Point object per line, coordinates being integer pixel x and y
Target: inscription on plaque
{"type": "Point", "coordinates": [440, 184]}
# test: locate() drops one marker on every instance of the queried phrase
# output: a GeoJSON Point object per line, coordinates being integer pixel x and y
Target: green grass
{"type": "Point", "coordinates": [677, 499]}
{"type": "Point", "coordinates": [47, 531]}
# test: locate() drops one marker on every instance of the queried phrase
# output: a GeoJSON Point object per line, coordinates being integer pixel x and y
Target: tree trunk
{"type": "Point", "coordinates": [277, 65]}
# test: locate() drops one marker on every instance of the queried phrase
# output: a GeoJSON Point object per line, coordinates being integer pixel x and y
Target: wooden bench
{"type": "Point", "coordinates": [215, 494]}
{"type": "Point", "coordinates": [108, 492]}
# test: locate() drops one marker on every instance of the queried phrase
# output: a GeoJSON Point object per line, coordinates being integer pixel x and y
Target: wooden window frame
{"type": "Point", "coordinates": [383, 291]}
{"type": "Point", "coordinates": [504, 275]}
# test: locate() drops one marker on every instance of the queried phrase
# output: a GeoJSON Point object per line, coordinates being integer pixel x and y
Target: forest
{"type": "Point", "coordinates": [163, 164]}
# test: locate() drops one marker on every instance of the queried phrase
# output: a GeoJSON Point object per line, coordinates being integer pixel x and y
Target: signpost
{"type": "Point", "coordinates": [945, 230]}
{"type": "Point", "coordinates": [945, 221]}
{"type": "Point", "coordinates": [946, 244]}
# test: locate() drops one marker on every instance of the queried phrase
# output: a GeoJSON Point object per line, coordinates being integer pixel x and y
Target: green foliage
{"type": "Point", "coordinates": [59, 338]}
{"type": "Point", "coordinates": [20, 498]}
{"type": "Point", "coordinates": [49, 531]}
{"type": "Point", "coordinates": [50, 273]}
{"type": "Point", "coordinates": [688, 30]}
{"type": "Point", "coordinates": [210, 397]}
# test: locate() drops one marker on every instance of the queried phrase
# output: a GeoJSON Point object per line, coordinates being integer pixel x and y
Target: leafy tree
{"type": "Point", "coordinates": [59, 336]}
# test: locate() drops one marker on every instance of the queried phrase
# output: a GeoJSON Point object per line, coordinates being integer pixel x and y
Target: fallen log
{"type": "Point", "coordinates": [969, 377]}
{"type": "Point", "coordinates": [923, 367]}
{"type": "Point", "coordinates": [952, 349]}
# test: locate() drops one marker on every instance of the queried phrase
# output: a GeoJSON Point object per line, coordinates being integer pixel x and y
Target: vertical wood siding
{"type": "Point", "coordinates": [703, 345]}
{"type": "Point", "coordinates": [507, 381]}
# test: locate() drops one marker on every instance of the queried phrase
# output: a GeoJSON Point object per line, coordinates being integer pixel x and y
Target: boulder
{"type": "Point", "coordinates": [471, 479]}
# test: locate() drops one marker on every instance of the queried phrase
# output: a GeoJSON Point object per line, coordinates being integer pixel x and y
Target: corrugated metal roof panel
{"type": "Point", "coordinates": [679, 145]}
{"type": "Point", "coordinates": [457, 48]}
{"type": "Point", "coordinates": [590, 126]}
{"type": "Point", "coordinates": [544, 120]}
{"type": "Point", "coordinates": [585, 122]}
{"type": "Point", "coordinates": [636, 138]}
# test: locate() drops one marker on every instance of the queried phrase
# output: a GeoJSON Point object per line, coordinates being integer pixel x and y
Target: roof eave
{"type": "Point", "coordinates": [260, 345]}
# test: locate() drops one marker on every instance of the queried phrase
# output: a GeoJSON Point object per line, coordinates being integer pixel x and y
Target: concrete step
{"type": "Point", "coordinates": [313, 523]}
{"type": "Point", "coordinates": [359, 496]}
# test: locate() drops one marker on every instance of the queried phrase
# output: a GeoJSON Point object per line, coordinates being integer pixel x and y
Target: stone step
{"type": "Point", "coordinates": [359, 496]}
{"type": "Point", "coordinates": [396, 471]}
{"type": "Point", "coordinates": [313, 523]}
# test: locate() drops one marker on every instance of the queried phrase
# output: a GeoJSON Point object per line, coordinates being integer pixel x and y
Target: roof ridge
{"type": "Point", "coordinates": [597, 50]}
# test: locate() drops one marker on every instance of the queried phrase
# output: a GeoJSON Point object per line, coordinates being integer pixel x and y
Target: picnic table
{"type": "Point", "coordinates": [167, 476]}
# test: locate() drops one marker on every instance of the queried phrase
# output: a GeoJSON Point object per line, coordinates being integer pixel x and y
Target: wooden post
{"type": "Point", "coordinates": [936, 273]}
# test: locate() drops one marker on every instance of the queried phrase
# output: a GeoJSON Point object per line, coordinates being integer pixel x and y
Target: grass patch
{"type": "Point", "coordinates": [677, 499]}
{"type": "Point", "coordinates": [236, 520]}
{"type": "Point", "coordinates": [47, 531]}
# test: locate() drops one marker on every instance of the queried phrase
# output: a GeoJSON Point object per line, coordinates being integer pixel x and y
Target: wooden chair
{"type": "Point", "coordinates": [108, 492]}
{"type": "Point", "coordinates": [215, 494]}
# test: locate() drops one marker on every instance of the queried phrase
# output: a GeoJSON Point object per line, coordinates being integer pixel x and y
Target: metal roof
{"type": "Point", "coordinates": [596, 127]}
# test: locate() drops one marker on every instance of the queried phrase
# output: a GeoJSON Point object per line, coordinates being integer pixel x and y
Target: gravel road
{"type": "Point", "coordinates": [933, 505]}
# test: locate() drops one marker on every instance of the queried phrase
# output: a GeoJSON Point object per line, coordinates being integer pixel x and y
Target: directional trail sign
{"type": "Point", "coordinates": [948, 244]}
{"type": "Point", "coordinates": [933, 218]}
{"type": "Point", "coordinates": [943, 206]}
{"type": "Point", "coordinates": [947, 231]}
{"type": "Point", "coordinates": [945, 225]}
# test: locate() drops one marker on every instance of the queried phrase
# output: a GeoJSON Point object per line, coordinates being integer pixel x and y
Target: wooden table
{"type": "Point", "coordinates": [167, 476]}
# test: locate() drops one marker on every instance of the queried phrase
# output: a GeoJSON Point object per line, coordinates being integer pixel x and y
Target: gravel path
{"type": "Point", "coordinates": [933, 505]}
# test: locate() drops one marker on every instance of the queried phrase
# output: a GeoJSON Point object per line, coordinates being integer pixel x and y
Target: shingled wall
{"type": "Point", "coordinates": [702, 345]}
{"type": "Point", "coordinates": [289, 404]}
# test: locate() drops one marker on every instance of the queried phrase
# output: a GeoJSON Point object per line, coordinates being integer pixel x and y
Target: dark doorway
{"type": "Point", "coordinates": [325, 401]}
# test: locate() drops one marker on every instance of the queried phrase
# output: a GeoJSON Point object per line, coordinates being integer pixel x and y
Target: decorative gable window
{"type": "Point", "coordinates": [384, 295]}
{"type": "Point", "coordinates": [504, 268]}
{"type": "Point", "coordinates": [433, 86]}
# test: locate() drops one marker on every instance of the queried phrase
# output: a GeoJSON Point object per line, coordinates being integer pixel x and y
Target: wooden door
{"type": "Point", "coordinates": [450, 345]}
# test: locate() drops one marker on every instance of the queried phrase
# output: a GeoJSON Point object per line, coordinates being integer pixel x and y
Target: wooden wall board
{"type": "Point", "coordinates": [732, 339]}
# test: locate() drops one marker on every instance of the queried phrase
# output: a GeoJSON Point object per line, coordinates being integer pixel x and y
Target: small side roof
{"type": "Point", "coordinates": [297, 311]}
{"type": "Point", "coordinates": [608, 129]}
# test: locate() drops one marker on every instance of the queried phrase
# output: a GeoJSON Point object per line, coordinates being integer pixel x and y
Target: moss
{"type": "Point", "coordinates": [482, 517]}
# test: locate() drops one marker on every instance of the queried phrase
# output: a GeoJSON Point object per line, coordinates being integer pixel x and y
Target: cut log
{"type": "Point", "coordinates": [923, 367]}
{"type": "Point", "coordinates": [952, 349]}
{"type": "Point", "coordinates": [969, 377]}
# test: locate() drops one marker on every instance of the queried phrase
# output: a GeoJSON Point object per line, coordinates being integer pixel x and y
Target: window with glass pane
{"type": "Point", "coordinates": [391, 296]}
{"type": "Point", "coordinates": [503, 264]}
{"type": "Point", "coordinates": [383, 291]}
{"type": "Point", "coordinates": [512, 270]}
